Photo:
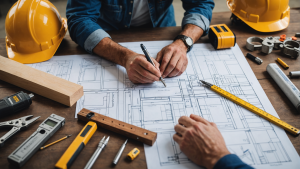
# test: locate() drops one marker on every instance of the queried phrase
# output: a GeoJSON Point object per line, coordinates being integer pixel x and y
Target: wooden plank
{"type": "Point", "coordinates": [39, 82]}
{"type": "Point", "coordinates": [128, 130]}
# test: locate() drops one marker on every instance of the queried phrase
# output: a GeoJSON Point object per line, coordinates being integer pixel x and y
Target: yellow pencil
{"type": "Point", "coordinates": [282, 63]}
{"type": "Point", "coordinates": [55, 142]}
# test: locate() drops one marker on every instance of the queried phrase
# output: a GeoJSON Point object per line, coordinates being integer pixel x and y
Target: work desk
{"type": "Point", "coordinates": [44, 107]}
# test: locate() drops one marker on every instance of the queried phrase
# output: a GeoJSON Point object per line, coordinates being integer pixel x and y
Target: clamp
{"type": "Point", "coordinates": [289, 46]}
{"type": "Point", "coordinates": [17, 125]}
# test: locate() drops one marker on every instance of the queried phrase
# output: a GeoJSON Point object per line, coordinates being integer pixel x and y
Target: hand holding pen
{"type": "Point", "coordinates": [148, 57]}
{"type": "Point", "coordinates": [139, 70]}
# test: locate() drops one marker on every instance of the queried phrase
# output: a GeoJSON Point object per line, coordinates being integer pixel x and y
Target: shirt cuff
{"type": "Point", "coordinates": [231, 161]}
{"type": "Point", "coordinates": [198, 20]}
{"type": "Point", "coordinates": [94, 38]}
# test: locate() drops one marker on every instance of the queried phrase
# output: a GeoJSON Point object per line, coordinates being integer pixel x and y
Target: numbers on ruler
{"type": "Point", "coordinates": [253, 108]}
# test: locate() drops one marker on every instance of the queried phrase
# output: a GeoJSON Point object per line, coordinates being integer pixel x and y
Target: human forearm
{"type": "Point", "coordinates": [112, 51]}
{"type": "Point", "coordinates": [192, 31]}
{"type": "Point", "coordinates": [139, 70]}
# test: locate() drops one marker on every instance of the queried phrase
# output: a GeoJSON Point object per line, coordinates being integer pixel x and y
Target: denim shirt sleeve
{"type": "Point", "coordinates": [82, 18]}
{"type": "Point", "coordinates": [231, 161]}
{"type": "Point", "coordinates": [198, 12]}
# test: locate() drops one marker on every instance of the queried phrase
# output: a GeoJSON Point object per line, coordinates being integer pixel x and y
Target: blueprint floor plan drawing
{"type": "Point", "coordinates": [59, 68]}
{"type": "Point", "coordinates": [108, 91]}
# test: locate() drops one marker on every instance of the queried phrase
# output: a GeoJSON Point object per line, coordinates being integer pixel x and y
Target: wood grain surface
{"type": "Point", "coordinates": [39, 82]}
{"type": "Point", "coordinates": [133, 132]}
{"type": "Point", "coordinates": [44, 107]}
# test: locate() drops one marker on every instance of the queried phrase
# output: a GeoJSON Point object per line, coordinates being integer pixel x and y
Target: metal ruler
{"type": "Point", "coordinates": [253, 109]}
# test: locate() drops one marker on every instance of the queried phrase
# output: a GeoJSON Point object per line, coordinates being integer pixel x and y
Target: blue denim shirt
{"type": "Point", "coordinates": [231, 161]}
{"type": "Point", "coordinates": [88, 20]}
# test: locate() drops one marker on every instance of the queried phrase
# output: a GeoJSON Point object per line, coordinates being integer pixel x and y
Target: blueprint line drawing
{"type": "Point", "coordinates": [108, 91]}
{"type": "Point", "coordinates": [59, 68]}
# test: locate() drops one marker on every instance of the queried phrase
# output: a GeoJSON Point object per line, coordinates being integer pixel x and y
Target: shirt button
{"type": "Point", "coordinates": [129, 13]}
{"type": "Point", "coordinates": [131, 1]}
{"type": "Point", "coordinates": [125, 26]}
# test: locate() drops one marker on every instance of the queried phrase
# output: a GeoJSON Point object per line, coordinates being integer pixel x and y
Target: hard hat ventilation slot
{"type": "Point", "coordinates": [253, 18]}
{"type": "Point", "coordinates": [44, 45]}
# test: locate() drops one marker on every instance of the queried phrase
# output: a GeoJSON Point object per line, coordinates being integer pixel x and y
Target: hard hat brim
{"type": "Point", "coordinates": [268, 26]}
{"type": "Point", "coordinates": [28, 58]}
{"type": "Point", "coordinates": [273, 26]}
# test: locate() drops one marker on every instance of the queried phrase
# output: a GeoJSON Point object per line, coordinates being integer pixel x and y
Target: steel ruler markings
{"type": "Point", "coordinates": [256, 110]}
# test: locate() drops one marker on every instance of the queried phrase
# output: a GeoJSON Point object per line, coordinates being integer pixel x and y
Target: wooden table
{"type": "Point", "coordinates": [44, 107]}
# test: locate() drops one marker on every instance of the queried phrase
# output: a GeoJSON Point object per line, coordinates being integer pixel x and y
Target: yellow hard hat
{"type": "Point", "coordinates": [262, 15]}
{"type": "Point", "coordinates": [34, 30]}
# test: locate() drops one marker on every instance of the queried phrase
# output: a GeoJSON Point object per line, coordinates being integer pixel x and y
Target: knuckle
{"type": "Point", "coordinates": [170, 48]}
{"type": "Point", "coordinates": [138, 59]}
{"type": "Point", "coordinates": [189, 132]}
{"type": "Point", "coordinates": [164, 61]}
{"type": "Point", "coordinates": [144, 74]}
{"type": "Point", "coordinates": [177, 69]}
{"type": "Point", "coordinates": [131, 64]}
{"type": "Point", "coordinates": [148, 67]}
{"type": "Point", "coordinates": [196, 126]}
{"type": "Point", "coordinates": [171, 65]}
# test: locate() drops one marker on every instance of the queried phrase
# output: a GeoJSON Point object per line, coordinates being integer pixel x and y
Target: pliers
{"type": "Point", "coordinates": [17, 125]}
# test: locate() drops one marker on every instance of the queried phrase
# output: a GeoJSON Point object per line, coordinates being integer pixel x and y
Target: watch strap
{"type": "Point", "coordinates": [183, 38]}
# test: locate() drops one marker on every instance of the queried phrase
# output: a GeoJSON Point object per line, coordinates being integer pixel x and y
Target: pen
{"type": "Point", "coordinates": [150, 60]}
{"type": "Point", "coordinates": [119, 153]}
{"type": "Point", "coordinates": [101, 146]}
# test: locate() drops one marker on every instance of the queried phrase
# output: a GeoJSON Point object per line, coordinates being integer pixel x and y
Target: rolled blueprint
{"type": "Point", "coordinates": [289, 89]}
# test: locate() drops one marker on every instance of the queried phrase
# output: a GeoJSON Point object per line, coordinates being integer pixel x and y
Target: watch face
{"type": "Point", "coordinates": [189, 41]}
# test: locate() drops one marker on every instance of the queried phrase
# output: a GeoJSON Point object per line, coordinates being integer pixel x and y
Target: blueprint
{"type": "Point", "coordinates": [108, 91]}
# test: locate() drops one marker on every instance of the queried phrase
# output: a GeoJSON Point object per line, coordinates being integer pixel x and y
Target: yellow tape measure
{"type": "Point", "coordinates": [221, 37]}
{"type": "Point", "coordinates": [253, 109]}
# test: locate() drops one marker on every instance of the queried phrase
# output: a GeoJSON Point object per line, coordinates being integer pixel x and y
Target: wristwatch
{"type": "Point", "coordinates": [186, 40]}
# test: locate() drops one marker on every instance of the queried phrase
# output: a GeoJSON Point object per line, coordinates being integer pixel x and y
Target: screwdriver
{"type": "Point", "coordinates": [119, 153]}
{"type": "Point", "coordinates": [15, 103]}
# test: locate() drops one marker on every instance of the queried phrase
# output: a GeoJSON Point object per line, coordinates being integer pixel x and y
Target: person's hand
{"type": "Point", "coordinates": [139, 70]}
{"type": "Point", "coordinates": [200, 140]}
{"type": "Point", "coordinates": [173, 59]}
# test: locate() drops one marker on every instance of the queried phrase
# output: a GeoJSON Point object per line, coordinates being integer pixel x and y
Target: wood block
{"type": "Point", "coordinates": [39, 82]}
{"type": "Point", "coordinates": [128, 130]}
